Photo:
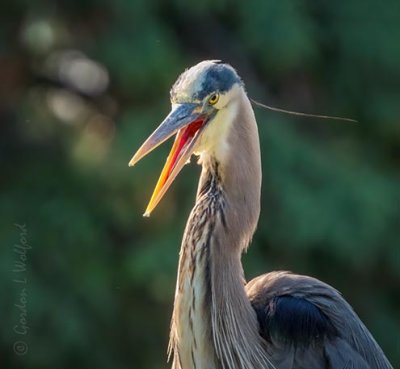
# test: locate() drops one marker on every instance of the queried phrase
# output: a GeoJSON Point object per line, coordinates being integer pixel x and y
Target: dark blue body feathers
{"type": "Point", "coordinates": [293, 320]}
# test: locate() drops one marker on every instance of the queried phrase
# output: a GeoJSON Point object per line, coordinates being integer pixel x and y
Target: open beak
{"type": "Point", "coordinates": [187, 121]}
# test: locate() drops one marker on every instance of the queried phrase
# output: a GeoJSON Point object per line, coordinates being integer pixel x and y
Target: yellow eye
{"type": "Point", "coordinates": [213, 99]}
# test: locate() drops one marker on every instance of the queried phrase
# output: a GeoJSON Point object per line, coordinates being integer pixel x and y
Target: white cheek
{"type": "Point", "coordinates": [214, 139]}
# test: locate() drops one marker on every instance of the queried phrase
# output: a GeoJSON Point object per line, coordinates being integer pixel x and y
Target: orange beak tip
{"type": "Point", "coordinates": [146, 214]}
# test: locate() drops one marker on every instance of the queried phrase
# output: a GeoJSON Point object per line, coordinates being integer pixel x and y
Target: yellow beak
{"type": "Point", "coordinates": [187, 121]}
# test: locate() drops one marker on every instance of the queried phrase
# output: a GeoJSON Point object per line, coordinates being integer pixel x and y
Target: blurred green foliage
{"type": "Point", "coordinates": [82, 84]}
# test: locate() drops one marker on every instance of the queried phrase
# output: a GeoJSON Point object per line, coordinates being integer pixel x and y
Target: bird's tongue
{"type": "Point", "coordinates": [183, 139]}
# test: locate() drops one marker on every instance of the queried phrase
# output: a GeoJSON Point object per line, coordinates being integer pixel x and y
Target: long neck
{"type": "Point", "coordinates": [236, 167]}
{"type": "Point", "coordinates": [214, 325]}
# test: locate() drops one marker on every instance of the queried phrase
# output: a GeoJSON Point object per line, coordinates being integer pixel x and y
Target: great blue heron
{"type": "Point", "coordinates": [278, 320]}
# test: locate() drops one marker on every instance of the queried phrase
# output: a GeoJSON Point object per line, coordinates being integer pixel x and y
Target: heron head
{"type": "Point", "coordinates": [200, 97]}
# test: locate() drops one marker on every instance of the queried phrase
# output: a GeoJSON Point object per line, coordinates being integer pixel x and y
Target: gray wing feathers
{"type": "Point", "coordinates": [355, 337]}
{"type": "Point", "coordinates": [353, 347]}
{"type": "Point", "coordinates": [337, 354]}
{"type": "Point", "coordinates": [289, 357]}
{"type": "Point", "coordinates": [340, 354]}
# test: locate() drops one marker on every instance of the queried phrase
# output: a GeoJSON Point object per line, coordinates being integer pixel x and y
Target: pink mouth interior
{"type": "Point", "coordinates": [184, 136]}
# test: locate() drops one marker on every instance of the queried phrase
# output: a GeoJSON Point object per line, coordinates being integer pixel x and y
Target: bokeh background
{"type": "Point", "coordinates": [82, 84]}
